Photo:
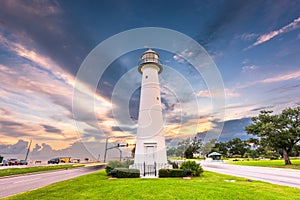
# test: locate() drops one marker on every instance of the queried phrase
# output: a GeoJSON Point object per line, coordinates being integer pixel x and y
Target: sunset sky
{"type": "Point", "coordinates": [255, 46]}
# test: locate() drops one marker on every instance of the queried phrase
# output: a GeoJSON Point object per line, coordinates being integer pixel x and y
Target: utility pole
{"type": "Point", "coordinates": [28, 150]}
{"type": "Point", "coordinates": [105, 150]}
{"type": "Point", "coordinates": [114, 147]}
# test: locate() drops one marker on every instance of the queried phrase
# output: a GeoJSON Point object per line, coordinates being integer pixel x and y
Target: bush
{"type": "Point", "coordinates": [196, 169]}
{"type": "Point", "coordinates": [127, 163]}
{"type": "Point", "coordinates": [125, 173]}
{"type": "Point", "coordinates": [112, 165]}
{"type": "Point", "coordinates": [162, 173]}
{"type": "Point", "coordinates": [174, 164]}
{"type": "Point", "coordinates": [108, 169]}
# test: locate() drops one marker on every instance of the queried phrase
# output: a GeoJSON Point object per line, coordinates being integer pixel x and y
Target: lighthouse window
{"type": "Point", "coordinates": [146, 76]}
{"type": "Point", "coordinates": [157, 98]}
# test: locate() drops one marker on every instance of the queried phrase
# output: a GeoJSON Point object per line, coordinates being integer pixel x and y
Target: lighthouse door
{"type": "Point", "coordinates": [150, 155]}
{"type": "Point", "coordinates": [150, 165]}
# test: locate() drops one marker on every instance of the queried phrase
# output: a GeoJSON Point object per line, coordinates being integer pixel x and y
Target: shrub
{"type": "Point", "coordinates": [127, 163]}
{"type": "Point", "coordinates": [112, 165]}
{"type": "Point", "coordinates": [162, 173]}
{"type": "Point", "coordinates": [174, 164]}
{"type": "Point", "coordinates": [126, 173]}
{"type": "Point", "coordinates": [196, 169]}
{"type": "Point", "coordinates": [108, 169]}
{"type": "Point", "coordinates": [187, 172]}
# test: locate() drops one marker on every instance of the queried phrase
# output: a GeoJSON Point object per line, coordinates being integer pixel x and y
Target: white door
{"type": "Point", "coordinates": [150, 155]}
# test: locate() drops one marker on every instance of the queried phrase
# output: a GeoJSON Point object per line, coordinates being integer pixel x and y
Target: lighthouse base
{"type": "Point", "coordinates": [150, 170]}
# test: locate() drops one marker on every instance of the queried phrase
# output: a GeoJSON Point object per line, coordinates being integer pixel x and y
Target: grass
{"type": "Point", "coordinates": [209, 186]}
{"type": "Point", "coordinates": [15, 171]}
{"type": "Point", "coordinates": [268, 163]}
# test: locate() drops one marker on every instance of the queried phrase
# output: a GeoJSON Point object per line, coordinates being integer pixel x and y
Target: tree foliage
{"type": "Point", "coordinates": [188, 147]}
{"type": "Point", "coordinates": [281, 132]}
{"type": "Point", "coordinates": [237, 146]}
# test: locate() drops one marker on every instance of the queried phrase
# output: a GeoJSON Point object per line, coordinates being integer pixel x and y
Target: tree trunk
{"type": "Point", "coordinates": [286, 157]}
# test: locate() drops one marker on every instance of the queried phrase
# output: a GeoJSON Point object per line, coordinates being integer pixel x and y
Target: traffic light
{"type": "Point", "coordinates": [122, 144]}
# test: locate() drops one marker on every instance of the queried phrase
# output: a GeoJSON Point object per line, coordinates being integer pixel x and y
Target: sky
{"type": "Point", "coordinates": [254, 46]}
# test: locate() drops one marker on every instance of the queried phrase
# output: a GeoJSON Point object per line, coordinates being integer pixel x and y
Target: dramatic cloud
{"type": "Point", "coordinates": [19, 147]}
{"type": "Point", "coordinates": [266, 37]}
{"type": "Point", "coordinates": [43, 43]}
{"type": "Point", "coordinates": [235, 129]}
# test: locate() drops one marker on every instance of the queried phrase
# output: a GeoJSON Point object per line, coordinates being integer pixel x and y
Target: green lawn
{"type": "Point", "coordinates": [209, 186]}
{"type": "Point", "coordinates": [14, 171]}
{"type": "Point", "coordinates": [268, 163]}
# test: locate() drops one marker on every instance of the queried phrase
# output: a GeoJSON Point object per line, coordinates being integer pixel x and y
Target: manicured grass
{"type": "Point", "coordinates": [268, 163]}
{"type": "Point", "coordinates": [209, 186]}
{"type": "Point", "coordinates": [14, 171]}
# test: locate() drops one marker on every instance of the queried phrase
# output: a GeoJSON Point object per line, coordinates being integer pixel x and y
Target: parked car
{"type": "Point", "coordinates": [3, 163]}
{"type": "Point", "coordinates": [75, 160]}
{"type": "Point", "coordinates": [53, 161]}
{"type": "Point", "coordinates": [13, 161]}
{"type": "Point", "coordinates": [23, 162]}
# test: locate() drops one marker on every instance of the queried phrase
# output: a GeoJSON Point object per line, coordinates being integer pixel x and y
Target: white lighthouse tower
{"type": "Point", "coordinates": [150, 151]}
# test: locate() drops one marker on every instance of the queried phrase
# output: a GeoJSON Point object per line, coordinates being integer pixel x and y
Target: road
{"type": "Point", "coordinates": [14, 185]}
{"type": "Point", "coordinates": [280, 176]}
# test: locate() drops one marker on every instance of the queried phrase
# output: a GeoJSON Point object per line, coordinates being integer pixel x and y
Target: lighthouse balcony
{"type": "Point", "coordinates": [150, 60]}
{"type": "Point", "coordinates": [147, 61]}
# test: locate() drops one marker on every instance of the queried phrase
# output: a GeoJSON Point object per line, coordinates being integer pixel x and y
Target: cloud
{"type": "Point", "coordinates": [17, 148]}
{"type": "Point", "coordinates": [282, 77]}
{"type": "Point", "coordinates": [42, 84]}
{"type": "Point", "coordinates": [247, 36]}
{"type": "Point", "coordinates": [229, 93]}
{"type": "Point", "coordinates": [204, 93]}
{"type": "Point", "coordinates": [38, 8]}
{"type": "Point", "coordinates": [285, 88]}
{"type": "Point", "coordinates": [262, 108]}
{"type": "Point", "coordinates": [249, 68]}
{"type": "Point", "coordinates": [268, 36]}
{"type": "Point", "coordinates": [51, 129]}
{"type": "Point", "coordinates": [235, 129]}
{"type": "Point", "coordinates": [42, 61]}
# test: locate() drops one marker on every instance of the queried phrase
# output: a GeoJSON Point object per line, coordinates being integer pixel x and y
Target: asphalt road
{"type": "Point", "coordinates": [14, 185]}
{"type": "Point", "coordinates": [288, 177]}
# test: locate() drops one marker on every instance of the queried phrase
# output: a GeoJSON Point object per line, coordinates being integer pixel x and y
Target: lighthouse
{"type": "Point", "coordinates": [150, 150]}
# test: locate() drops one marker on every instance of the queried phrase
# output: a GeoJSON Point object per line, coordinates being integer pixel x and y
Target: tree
{"type": "Point", "coordinates": [189, 146]}
{"type": "Point", "coordinates": [207, 147]}
{"type": "Point", "coordinates": [237, 147]}
{"type": "Point", "coordinates": [220, 147]}
{"type": "Point", "coordinates": [133, 151]}
{"type": "Point", "coordinates": [281, 132]}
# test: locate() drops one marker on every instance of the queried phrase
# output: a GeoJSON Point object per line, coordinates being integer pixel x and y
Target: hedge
{"type": "Point", "coordinates": [125, 173]}
{"type": "Point", "coordinates": [162, 173]}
